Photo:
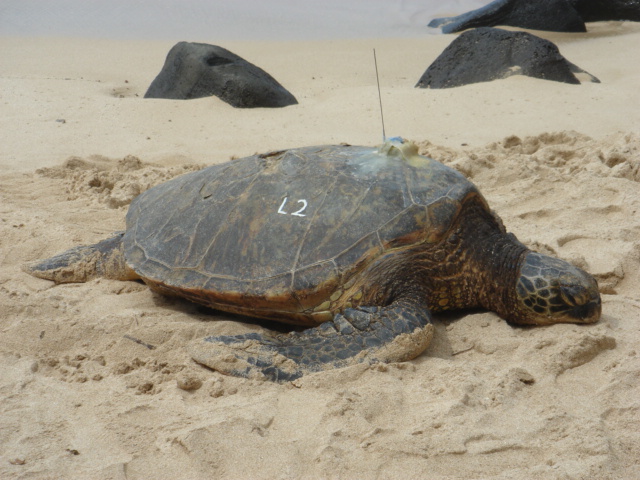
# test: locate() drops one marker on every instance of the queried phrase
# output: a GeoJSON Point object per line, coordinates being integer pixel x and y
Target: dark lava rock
{"type": "Point", "coordinates": [549, 15]}
{"type": "Point", "coordinates": [196, 70]}
{"type": "Point", "coordinates": [486, 54]}
{"type": "Point", "coordinates": [604, 10]}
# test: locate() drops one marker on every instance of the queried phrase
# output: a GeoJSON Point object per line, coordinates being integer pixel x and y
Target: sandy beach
{"type": "Point", "coordinates": [82, 399]}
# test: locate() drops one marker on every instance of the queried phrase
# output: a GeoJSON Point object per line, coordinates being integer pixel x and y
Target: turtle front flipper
{"type": "Point", "coordinates": [81, 264]}
{"type": "Point", "coordinates": [395, 333]}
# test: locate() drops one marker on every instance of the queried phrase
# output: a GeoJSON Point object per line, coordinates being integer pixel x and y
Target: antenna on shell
{"type": "Point", "coordinates": [375, 62]}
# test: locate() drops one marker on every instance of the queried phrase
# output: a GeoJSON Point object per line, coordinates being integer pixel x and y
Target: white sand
{"type": "Point", "coordinates": [487, 400]}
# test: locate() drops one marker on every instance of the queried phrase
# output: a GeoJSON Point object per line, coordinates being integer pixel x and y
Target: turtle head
{"type": "Point", "coordinates": [550, 290]}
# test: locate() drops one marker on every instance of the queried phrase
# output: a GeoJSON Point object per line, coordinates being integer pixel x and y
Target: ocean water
{"type": "Point", "coordinates": [226, 19]}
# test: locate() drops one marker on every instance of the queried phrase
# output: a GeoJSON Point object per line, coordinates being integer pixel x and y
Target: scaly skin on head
{"type": "Point", "coordinates": [522, 286]}
{"type": "Point", "coordinates": [556, 291]}
{"type": "Point", "coordinates": [538, 289]}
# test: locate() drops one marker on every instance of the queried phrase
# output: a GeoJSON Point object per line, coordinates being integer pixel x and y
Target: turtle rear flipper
{"type": "Point", "coordinates": [81, 264]}
{"type": "Point", "coordinates": [396, 333]}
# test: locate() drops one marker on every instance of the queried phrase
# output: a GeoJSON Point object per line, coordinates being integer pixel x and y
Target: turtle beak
{"type": "Point", "coordinates": [586, 306]}
{"type": "Point", "coordinates": [588, 313]}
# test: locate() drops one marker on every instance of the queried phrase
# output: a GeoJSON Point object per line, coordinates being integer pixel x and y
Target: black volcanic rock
{"type": "Point", "coordinates": [196, 70]}
{"type": "Point", "coordinates": [604, 10]}
{"type": "Point", "coordinates": [486, 54]}
{"type": "Point", "coordinates": [549, 15]}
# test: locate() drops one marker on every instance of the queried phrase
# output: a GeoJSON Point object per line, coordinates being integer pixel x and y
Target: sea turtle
{"type": "Point", "coordinates": [359, 244]}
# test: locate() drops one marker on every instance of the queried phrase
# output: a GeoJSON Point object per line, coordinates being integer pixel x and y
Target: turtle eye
{"type": "Point", "coordinates": [572, 295]}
